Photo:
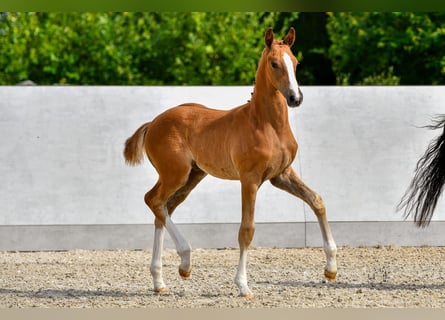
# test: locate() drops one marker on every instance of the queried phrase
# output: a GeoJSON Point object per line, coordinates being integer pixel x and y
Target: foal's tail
{"type": "Point", "coordinates": [426, 187]}
{"type": "Point", "coordinates": [134, 146]}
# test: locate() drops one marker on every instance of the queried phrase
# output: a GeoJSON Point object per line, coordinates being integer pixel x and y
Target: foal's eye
{"type": "Point", "coordinates": [274, 65]}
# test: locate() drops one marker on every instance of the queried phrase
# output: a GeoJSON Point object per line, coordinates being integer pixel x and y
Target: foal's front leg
{"type": "Point", "coordinates": [290, 182]}
{"type": "Point", "coordinates": [245, 235]}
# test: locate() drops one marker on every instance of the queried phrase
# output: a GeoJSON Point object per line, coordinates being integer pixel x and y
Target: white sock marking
{"type": "Point", "coordinates": [156, 261]}
{"type": "Point", "coordinates": [183, 248]}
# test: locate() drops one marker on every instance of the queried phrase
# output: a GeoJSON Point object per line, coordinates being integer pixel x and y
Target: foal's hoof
{"type": "Point", "coordinates": [248, 295]}
{"type": "Point", "coordinates": [160, 290]}
{"type": "Point", "coordinates": [184, 274]}
{"type": "Point", "coordinates": [330, 275]}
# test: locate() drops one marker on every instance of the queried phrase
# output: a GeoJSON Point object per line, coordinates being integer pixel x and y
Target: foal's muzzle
{"type": "Point", "coordinates": [294, 100]}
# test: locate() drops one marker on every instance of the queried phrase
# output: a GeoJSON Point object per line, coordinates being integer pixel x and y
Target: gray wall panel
{"type": "Point", "coordinates": [61, 165]}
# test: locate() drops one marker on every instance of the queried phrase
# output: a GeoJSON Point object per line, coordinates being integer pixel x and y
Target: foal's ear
{"type": "Point", "coordinates": [290, 37]}
{"type": "Point", "coordinates": [269, 37]}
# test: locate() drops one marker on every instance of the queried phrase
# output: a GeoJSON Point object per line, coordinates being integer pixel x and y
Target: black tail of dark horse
{"type": "Point", "coordinates": [426, 187]}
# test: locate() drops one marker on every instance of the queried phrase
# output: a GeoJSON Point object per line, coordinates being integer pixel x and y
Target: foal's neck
{"type": "Point", "coordinates": [269, 106]}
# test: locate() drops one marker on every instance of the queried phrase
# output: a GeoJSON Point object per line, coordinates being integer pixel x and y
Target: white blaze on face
{"type": "Point", "coordinates": [293, 84]}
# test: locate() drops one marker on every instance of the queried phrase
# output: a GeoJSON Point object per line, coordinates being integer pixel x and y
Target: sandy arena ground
{"type": "Point", "coordinates": [368, 277]}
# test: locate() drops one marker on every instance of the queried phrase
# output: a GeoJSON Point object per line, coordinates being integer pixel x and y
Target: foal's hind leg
{"type": "Point", "coordinates": [156, 259]}
{"type": "Point", "coordinates": [183, 248]}
{"type": "Point", "coordinates": [195, 176]}
{"type": "Point", "coordinates": [290, 182]}
{"type": "Point", "coordinates": [162, 210]}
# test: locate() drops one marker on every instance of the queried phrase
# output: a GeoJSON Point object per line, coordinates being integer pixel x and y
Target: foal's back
{"type": "Point", "coordinates": [193, 133]}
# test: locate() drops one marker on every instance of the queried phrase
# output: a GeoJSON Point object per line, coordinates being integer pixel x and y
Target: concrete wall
{"type": "Point", "coordinates": [65, 184]}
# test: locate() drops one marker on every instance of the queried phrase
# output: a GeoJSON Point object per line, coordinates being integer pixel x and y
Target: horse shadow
{"type": "Point", "coordinates": [72, 293]}
{"type": "Point", "coordinates": [79, 293]}
{"type": "Point", "coordinates": [379, 286]}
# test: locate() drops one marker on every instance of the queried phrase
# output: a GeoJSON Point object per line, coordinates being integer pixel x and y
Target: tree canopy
{"type": "Point", "coordinates": [393, 48]}
{"type": "Point", "coordinates": [218, 48]}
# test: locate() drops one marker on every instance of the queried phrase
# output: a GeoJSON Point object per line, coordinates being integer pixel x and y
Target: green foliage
{"type": "Point", "coordinates": [134, 48]}
{"type": "Point", "coordinates": [387, 48]}
{"type": "Point", "coordinates": [219, 48]}
{"type": "Point", "coordinates": [208, 48]}
{"type": "Point", "coordinates": [65, 48]}
{"type": "Point", "coordinates": [385, 79]}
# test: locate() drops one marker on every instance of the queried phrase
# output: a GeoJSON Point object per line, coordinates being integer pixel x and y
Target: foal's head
{"type": "Point", "coordinates": [281, 65]}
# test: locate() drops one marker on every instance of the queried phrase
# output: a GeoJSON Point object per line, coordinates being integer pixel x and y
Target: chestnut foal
{"type": "Point", "coordinates": [251, 143]}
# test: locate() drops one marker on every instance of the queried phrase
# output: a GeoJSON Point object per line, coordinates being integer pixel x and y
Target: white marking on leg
{"type": "Point", "coordinates": [156, 261]}
{"type": "Point", "coordinates": [293, 84]}
{"type": "Point", "coordinates": [331, 252]}
{"type": "Point", "coordinates": [329, 246]}
{"type": "Point", "coordinates": [183, 248]}
{"type": "Point", "coordinates": [241, 275]}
